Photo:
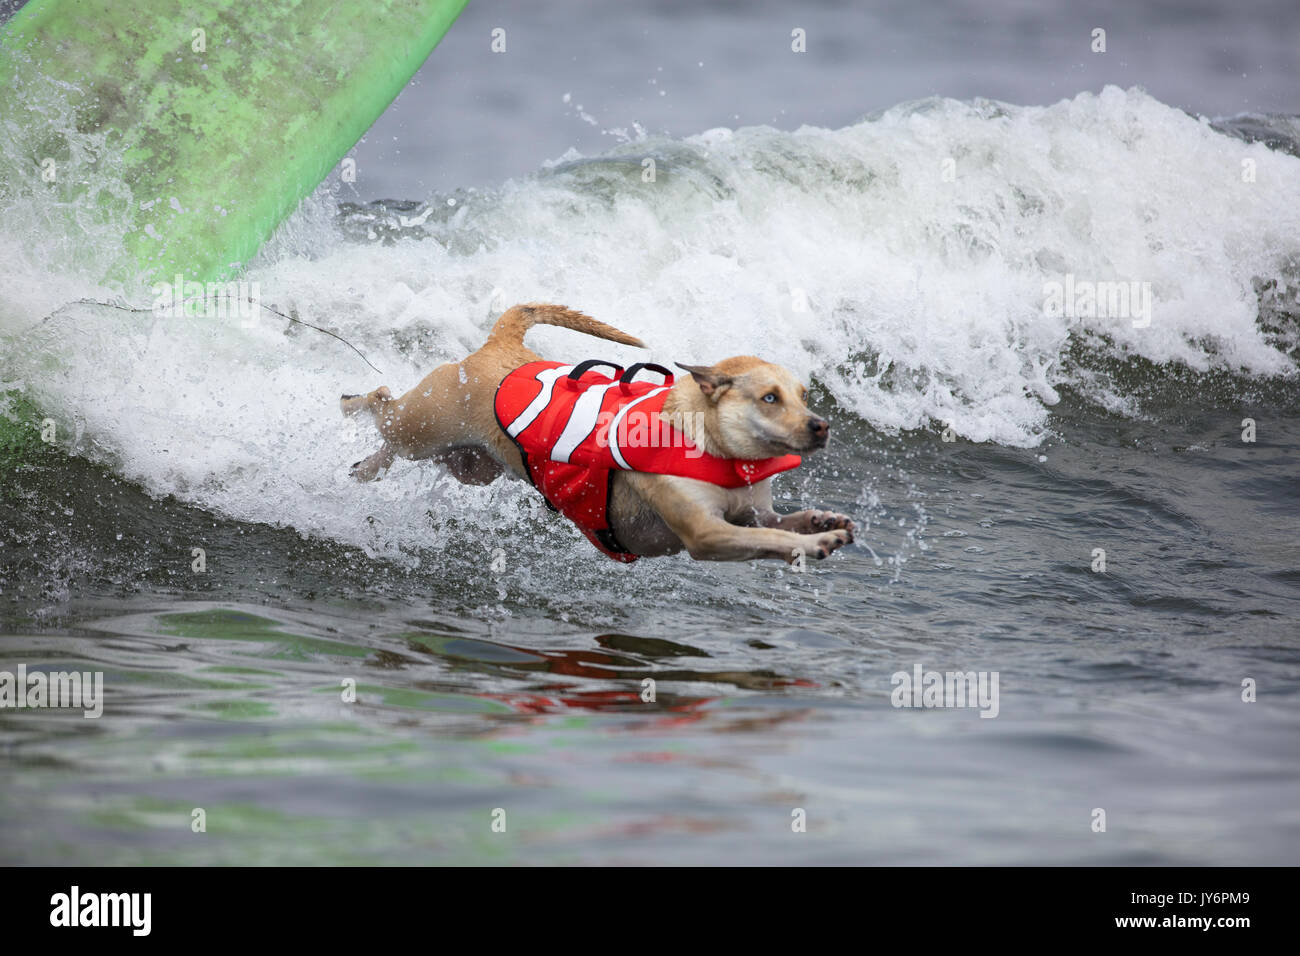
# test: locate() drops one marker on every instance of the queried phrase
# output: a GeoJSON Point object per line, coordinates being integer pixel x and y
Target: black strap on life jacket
{"type": "Point", "coordinates": [630, 374]}
{"type": "Point", "coordinates": [582, 368]}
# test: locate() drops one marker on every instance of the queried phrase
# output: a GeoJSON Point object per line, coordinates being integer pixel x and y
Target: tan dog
{"type": "Point", "coordinates": [741, 408]}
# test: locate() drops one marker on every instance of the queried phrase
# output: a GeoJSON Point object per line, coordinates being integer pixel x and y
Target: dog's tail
{"type": "Point", "coordinates": [510, 328]}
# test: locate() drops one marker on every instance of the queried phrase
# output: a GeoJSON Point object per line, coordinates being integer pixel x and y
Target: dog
{"type": "Point", "coordinates": [741, 411]}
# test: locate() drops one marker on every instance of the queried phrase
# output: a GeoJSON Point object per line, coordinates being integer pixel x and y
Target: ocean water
{"type": "Point", "coordinates": [901, 256]}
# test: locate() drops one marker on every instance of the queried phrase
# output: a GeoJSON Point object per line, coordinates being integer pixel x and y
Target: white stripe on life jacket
{"type": "Point", "coordinates": [581, 423]}
{"type": "Point", "coordinates": [529, 415]}
{"type": "Point", "coordinates": [618, 420]}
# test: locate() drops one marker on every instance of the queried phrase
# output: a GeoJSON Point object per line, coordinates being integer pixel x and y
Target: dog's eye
{"type": "Point", "coordinates": [770, 397]}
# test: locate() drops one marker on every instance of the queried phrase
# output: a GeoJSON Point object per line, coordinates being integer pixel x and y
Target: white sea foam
{"type": "Point", "coordinates": [847, 255]}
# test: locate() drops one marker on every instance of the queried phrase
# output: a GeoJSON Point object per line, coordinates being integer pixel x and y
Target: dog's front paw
{"type": "Point", "coordinates": [821, 545]}
{"type": "Point", "coordinates": [832, 521]}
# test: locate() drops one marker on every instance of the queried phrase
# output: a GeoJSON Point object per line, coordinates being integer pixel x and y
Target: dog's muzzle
{"type": "Point", "coordinates": [819, 430]}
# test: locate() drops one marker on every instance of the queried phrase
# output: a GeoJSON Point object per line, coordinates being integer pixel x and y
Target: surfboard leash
{"type": "Point", "coordinates": [290, 318]}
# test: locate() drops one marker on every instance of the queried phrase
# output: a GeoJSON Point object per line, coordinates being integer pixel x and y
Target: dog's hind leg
{"type": "Point", "coordinates": [470, 465]}
{"type": "Point", "coordinates": [368, 469]}
{"type": "Point", "coordinates": [447, 417]}
{"type": "Point", "coordinates": [352, 404]}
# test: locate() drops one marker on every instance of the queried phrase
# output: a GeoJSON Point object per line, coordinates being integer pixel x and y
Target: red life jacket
{"type": "Point", "coordinates": [575, 428]}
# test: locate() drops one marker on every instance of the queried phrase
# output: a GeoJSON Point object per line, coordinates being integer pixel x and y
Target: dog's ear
{"type": "Point", "coordinates": [712, 383]}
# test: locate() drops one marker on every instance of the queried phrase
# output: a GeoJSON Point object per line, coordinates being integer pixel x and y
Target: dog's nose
{"type": "Point", "coordinates": [819, 427]}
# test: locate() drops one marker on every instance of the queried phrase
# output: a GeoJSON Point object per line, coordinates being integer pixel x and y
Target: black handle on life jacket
{"type": "Point", "coordinates": [582, 368]}
{"type": "Point", "coordinates": [630, 374]}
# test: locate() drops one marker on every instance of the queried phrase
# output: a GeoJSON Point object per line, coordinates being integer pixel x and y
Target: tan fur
{"type": "Point", "coordinates": [510, 328]}
{"type": "Point", "coordinates": [448, 417]}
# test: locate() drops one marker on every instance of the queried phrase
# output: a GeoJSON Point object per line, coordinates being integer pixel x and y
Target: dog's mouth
{"type": "Point", "coordinates": [810, 444]}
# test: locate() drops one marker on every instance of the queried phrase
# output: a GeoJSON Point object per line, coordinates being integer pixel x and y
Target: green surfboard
{"type": "Point", "coordinates": [226, 112]}
{"type": "Point", "coordinates": [219, 116]}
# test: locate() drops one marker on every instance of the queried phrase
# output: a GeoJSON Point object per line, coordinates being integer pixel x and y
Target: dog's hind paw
{"type": "Point", "coordinates": [351, 404]}
{"type": "Point", "coordinates": [368, 469]}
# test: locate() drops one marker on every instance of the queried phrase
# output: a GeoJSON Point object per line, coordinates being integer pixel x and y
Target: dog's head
{"type": "Point", "coordinates": [755, 409]}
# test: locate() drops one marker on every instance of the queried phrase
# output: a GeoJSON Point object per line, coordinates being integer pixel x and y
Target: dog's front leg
{"type": "Point", "coordinates": [806, 522]}
{"type": "Point", "coordinates": [695, 512]}
{"type": "Point", "coordinates": [719, 540]}
{"type": "Point", "coordinates": [752, 507]}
